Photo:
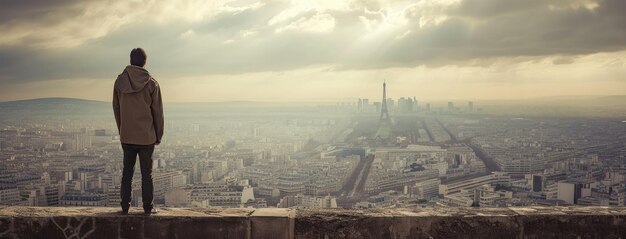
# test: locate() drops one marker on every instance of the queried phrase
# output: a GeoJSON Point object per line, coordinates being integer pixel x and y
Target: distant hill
{"type": "Point", "coordinates": [80, 108]}
{"type": "Point", "coordinates": [51, 103]}
{"type": "Point", "coordinates": [54, 107]}
{"type": "Point", "coordinates": [62, 104]}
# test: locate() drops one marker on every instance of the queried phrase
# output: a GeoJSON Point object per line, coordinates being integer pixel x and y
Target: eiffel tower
{"type": "Point", "coordinates": [384, 113]}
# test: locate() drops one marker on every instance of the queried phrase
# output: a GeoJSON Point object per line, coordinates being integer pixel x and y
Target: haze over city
{"type": "Point", "coordinates": [316, 50]}
{"type": "Point", "coordinates": [313, 119]}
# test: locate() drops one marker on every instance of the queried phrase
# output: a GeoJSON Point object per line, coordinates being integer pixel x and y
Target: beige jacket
{"type": "Point", "coordinates": [138, 107]}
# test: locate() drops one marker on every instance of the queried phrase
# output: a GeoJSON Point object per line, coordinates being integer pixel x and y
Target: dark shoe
{"type": "Point", "coordinates": [125, 207]}
{"type": "Point", "coordinates": [150, 211]}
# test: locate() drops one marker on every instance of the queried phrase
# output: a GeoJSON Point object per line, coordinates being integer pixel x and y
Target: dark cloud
{"type": "Point", "coordinates": [228, 23]}
{"type": "Point", "coordinates": [563, 60]}
{"type": "Point", "coordinates": [473, 30]}
{"type": "Point", "coordinates": [171, 55]}
{"type": "Point", "coordinates": [25, 10]}
{"type": "Point", "coordinates": [20, 65]}
{"type": "Point", "coordinates": [491, 8]}
{"type": "Point", "coordinates": [535, 31]}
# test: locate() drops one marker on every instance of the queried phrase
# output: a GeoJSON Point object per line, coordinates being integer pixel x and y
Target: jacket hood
{"type": "Point", "coordinates": [133, 79]}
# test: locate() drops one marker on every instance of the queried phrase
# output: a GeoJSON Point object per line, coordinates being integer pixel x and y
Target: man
{"type": "Point", "coordinates": [138, 113]}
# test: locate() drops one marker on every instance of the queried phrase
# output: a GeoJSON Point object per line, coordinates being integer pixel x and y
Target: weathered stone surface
{"type": "Point", "coordinates": [525, 222]}
{"type": "Point", "coordinates": [272, 223]}
{"type": "Point", "coordinates": [83, 222]}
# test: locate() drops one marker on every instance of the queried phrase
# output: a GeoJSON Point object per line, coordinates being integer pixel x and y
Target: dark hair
{"type": "Point", "coordinates": [138, 57]}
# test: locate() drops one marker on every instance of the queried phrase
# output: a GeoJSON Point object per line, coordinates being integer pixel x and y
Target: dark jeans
{"type": "Point", "coordinates": [145, 162]}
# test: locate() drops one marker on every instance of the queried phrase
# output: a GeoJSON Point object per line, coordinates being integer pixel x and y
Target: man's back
{"type": "Point", "coordinates": [138, 113]}
{"type": "Point", "coordinates": [138, 107]}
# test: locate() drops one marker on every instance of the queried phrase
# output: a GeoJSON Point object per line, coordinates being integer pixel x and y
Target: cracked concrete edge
{"type": "Point", "coordinates": [19, 211]}
{"type": "Point", "coordinates": [282, 223]}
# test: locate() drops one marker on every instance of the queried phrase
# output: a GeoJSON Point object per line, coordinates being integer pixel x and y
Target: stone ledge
{"type": "Point", "coordinates": [522, 222]}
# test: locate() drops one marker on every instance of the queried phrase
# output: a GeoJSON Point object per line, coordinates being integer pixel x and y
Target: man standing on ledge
{"type": "Point", "coordinates": [138, 113]}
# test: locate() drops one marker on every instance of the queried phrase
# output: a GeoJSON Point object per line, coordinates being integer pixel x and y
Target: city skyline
{"type": "Point", "coordinates": [289, 51]}
{"type": "Point", "coordinates": [392, 153]}
{"type": "Point", "coordinates": [62, 152]}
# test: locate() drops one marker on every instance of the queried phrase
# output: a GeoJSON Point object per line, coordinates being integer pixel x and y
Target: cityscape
{"type": "Point", "coordinates": [313, 119]}
{"type": "Point", "coordinates": [389, 152]}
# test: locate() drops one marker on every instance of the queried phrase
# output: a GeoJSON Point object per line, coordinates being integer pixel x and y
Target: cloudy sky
{"type": "Point", "coordinates": [324, 50]}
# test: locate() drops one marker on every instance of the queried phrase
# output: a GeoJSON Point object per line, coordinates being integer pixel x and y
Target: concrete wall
{"type": "Point", "coordinates": [526, 222]}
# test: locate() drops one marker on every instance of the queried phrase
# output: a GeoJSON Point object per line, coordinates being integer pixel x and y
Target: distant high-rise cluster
{"type": "Point", "coordinates": [403, 105]}
{"type": "Point", "coordinates": [406, 105]}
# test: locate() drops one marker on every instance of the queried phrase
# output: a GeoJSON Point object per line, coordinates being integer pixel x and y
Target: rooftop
{"type": "Point", "coordinates": [523, 222]}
